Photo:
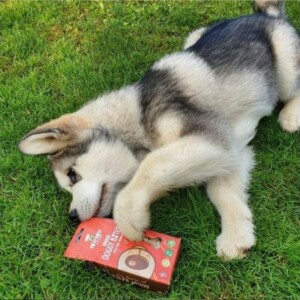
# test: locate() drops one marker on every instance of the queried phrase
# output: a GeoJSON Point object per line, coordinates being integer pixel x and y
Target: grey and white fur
{"type": "Point", "coordinates": [188, 120]}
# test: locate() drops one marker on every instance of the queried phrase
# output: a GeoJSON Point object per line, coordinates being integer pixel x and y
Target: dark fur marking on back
{"type": "Point", "coordinates": [240, 43]}
{"type": "Point", "coordinates": [160, 92]}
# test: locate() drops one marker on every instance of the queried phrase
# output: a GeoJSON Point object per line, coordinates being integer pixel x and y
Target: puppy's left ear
{"type": "Point", "coordinates": [54, 136]}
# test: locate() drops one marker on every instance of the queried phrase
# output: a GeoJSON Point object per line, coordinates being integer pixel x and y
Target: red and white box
{"type": "Point", "coordinates": [149, 263]}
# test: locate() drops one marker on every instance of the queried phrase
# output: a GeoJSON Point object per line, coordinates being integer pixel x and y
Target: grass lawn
{"type": "Point", "coordinates": [55, 56]}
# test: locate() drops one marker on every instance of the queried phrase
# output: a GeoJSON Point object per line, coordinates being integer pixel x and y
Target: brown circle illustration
{"type": "Point", "coordinates": [137, 262]}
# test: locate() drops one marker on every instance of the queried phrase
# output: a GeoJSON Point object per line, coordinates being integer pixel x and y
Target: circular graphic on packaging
{"type": "Point", "coordinates": [137, 261]}
{"type": "Point", "coordinates": [166, 263]}
{"type": "Point", "coordinates": [171, 243]}
{"type": "Point", "coordinates": [169, 252]}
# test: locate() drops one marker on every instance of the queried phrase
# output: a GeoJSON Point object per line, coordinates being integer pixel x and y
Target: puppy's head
{"type": "Point", "coordinates": [91, 163]}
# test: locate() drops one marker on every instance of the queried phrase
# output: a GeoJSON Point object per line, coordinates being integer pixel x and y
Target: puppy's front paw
{"type": "Point", "coordinates": [289, 117]}
{"type": "Point", "coordinates": [131, 213]}
{"type": "Point", "coordinates": [235, 244]}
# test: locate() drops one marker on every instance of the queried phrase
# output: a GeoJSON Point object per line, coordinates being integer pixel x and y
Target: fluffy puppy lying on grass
{"type": "Point", "coordinates": [188, 120]}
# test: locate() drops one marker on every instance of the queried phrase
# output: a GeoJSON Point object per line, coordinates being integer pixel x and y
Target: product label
{"type": "Point", "coordinates": [149, 263]}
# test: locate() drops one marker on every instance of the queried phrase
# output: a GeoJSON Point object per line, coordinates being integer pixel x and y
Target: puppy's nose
{"type": "Point", "coordinates": [73, 215]}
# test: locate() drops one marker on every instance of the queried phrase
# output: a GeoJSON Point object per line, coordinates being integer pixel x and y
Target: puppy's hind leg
{"type": "Point", "coordinates": [229, 195]}
{"type": "Point", "coordinates": [186, 161]}
{"type": "Point", "coordinates": [286, 44]}
{"type": "Point", "coordinates": [289, 116]}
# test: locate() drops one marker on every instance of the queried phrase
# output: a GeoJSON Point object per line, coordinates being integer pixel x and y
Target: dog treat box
{"type": "Point", "coordinates": [149, 263]}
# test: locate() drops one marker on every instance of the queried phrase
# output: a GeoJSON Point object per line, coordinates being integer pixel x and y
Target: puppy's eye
{"type": "Point", "coordinates": [72, 175]}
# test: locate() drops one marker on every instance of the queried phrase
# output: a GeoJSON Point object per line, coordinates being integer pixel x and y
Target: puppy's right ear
{"type": "Point", "coordinates": [54, 136]}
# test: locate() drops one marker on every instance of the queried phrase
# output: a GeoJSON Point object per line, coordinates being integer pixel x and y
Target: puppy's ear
{"type": "Point", "coordinates": [54, 136]}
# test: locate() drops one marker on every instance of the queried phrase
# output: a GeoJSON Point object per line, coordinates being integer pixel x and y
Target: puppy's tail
{"type": "Point", "coordinates": [272, 8]}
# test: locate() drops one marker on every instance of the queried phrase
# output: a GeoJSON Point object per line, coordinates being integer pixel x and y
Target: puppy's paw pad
{"type": "Point", "coordinates": [238, 247]}
{"type": "Point", "coordinates": [131, 216]}
{"type": "Point", "coordinates": [289, 119]}
{"type": "Point", "coordinates": [129, 229]}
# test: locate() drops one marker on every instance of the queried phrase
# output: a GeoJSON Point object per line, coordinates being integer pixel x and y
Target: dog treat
{"type": "Point", "coordinates": [149, 263]}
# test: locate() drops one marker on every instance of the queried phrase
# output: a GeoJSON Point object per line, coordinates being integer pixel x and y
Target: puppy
{"type": "Point", "coordinates": [188, 120]}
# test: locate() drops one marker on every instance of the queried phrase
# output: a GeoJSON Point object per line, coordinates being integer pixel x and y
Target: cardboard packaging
{"type": "Point", "coordinates": [149, 263]}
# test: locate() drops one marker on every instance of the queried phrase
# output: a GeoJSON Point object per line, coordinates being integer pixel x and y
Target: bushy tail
{"type": "Point", "coordinates": [272, 8]}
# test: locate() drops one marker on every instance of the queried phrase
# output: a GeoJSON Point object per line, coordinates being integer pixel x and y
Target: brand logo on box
{"type": "Point", "coordinates": [93, 238]}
